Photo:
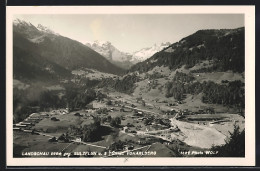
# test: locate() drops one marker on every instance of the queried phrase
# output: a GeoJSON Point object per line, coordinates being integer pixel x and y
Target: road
{"type": "Point", "coordinates": [122, 152]}
{"type": "Point", "coordinates": [93, 145]}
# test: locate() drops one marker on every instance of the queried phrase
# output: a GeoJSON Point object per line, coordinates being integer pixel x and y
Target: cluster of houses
{"type": "Point", "coordinates": [31, 120]}
{"type": "Point", "coordinates": [188, 112]}
{"type": "Point", "coordinates": [60, 111]}
{"type": "Point", "coordinates": [27, 124]}
{"type": "Point", "coordinates": [179, 112]}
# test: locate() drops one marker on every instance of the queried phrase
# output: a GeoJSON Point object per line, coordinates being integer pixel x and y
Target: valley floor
{"type": "Point", "coordinates": [194, 133]}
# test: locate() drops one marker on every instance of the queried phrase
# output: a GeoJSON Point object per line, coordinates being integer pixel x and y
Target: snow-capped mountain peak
{"type": "Point", "coordinates": [106, 49]}
{"type": "Point", "coordinates": [25, 25]}
{"type": "Point", "coordinates": [147, 52]}
{"type": "Point", "coordinates": [100, 43]}
{"type": "Point", "coordinates": [18, 22]}
{"type": "Point", "coordinates": [34, 34]}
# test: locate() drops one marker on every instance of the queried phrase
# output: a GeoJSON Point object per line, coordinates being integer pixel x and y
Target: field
{"type": "Point", "coordinates": [57, 127]}
{"type": "Point", "coordinates": [35, 143]}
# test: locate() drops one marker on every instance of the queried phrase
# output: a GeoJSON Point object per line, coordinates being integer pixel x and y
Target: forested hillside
{"type": "Point", "coordinates": [225, 47]}
{"type": "Point", "coordinates": [230, 93]}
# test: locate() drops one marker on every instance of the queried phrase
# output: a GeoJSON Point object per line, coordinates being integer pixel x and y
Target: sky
{"type": "Point", "coordinates": [132, 32]}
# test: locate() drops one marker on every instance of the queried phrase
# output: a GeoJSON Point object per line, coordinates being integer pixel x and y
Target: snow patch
{"type": "Point", "coordinates": [199, 46]}
{"type": "Point", "coordinates": [37, 39]}
{"type": "Point", "coordinates": [145, 53]}
{"type": "Point", "coordinates": [106, 49]}
{"type": "Point", "coordinates": [170, 50]}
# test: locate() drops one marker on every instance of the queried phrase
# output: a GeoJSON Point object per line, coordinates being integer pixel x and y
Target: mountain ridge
{"type": "Point", "coordinates": [64, 52]}
{"type": "Point", "coordinates": [124, 59]}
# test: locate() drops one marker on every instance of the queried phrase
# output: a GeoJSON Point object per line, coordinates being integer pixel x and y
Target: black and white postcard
{"type": "Point", "coordinates": [130, 86]}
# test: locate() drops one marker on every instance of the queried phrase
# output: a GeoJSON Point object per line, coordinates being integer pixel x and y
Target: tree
{"type": "Point", "coordinates": [109, 102]}
{"type": "Point", "coordinates": [143, 103]}
{"type": "Point", "coordinates": [115, 122]}
{"type": "Point", "coordinates": [92, 132]}
{"type": "Point", "coordinates": [118, 120]}
{"type": "Point", "coordinates": [53, 139]}
{"type": "Point", "coordinates": [63, 138]}
{"type": "Point", "coordinates": [235, 145]}
{"type": "Point", "coordinates": [109, 118]}
{"type": "Point", "coordinates": [146, 121]}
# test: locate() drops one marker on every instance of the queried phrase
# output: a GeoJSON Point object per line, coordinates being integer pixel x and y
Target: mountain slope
{"type": "Point", "coordinates": [225, 47]}
{"type": "Point", "coordinates": [30, 65]}
{"type": "Point", "coordinates": [62, 51]}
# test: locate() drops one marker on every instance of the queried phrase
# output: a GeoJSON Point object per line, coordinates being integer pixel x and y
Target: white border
{"type": "Point", "coordinates": [249, 13]}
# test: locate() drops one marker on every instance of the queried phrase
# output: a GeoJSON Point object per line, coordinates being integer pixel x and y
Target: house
{"type": "Point", "coordinates": [142, 141]}
{"type": "Point", "coordinates": [34, 117]}
{"type": "Point", "coordinates": [32, 114]}
{"type": "Point", "coordinates": [140, 119]}
{"type": "Point", "coordinates": [126, 129]}
{"type": "Point", "coordinates": [128, 147]}
{"type": "Point", "coordinates": [185, 112]}
{"type": "Point", "coordinates": [45, 115]}
{"type": "Point", "coordinates": [78, 139]}
{"type": "Point", "coordinates": [23, 126]}
{"type": "Point", "coordinates": [16, 129]}
{"type": "Point", "coordinates": [63, 111]}
{"type": "Point", "coordinates": [179, 102]}
{"type": "Point", "coordinates": [26, 123]}
{"type": "Point", "coordinates": [27, 130]}
{"type": "Point", "coordinates": [140, 113]}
